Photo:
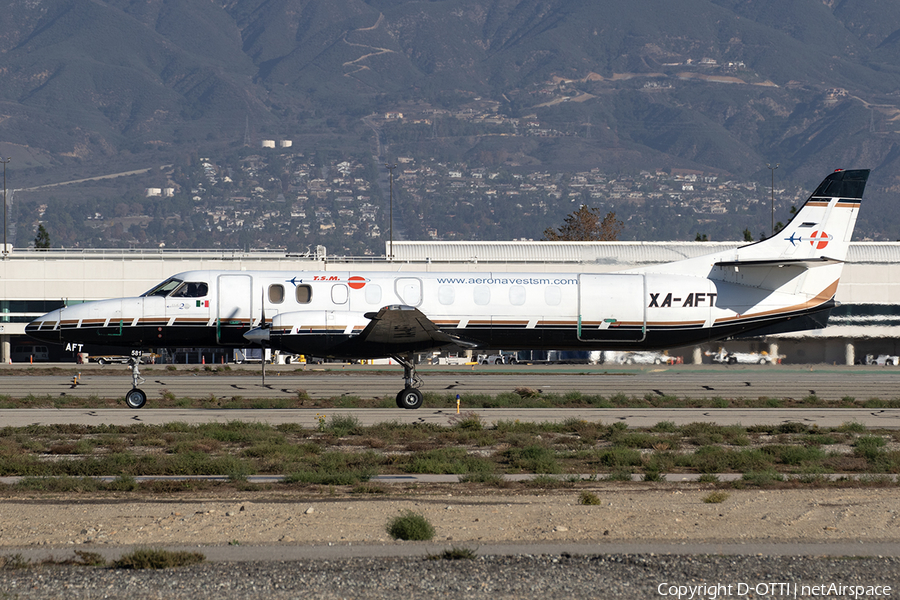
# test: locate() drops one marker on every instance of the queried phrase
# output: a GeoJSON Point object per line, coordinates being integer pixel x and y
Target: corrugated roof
{"type": "Point", "coordinates": [612, 253]}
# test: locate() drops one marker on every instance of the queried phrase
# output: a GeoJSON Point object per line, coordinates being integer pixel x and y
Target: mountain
{"type": "Point", "coordinates": [723, 86]}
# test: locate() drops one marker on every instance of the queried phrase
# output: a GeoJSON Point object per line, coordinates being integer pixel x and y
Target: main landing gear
{"type": "Point", "coordinates": [136, 398]}
{"type": "Point", "coordinates": [410, 397]}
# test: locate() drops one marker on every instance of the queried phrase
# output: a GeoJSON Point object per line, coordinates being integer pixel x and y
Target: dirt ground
{"type": "Point", "coordinates": [626, 512]}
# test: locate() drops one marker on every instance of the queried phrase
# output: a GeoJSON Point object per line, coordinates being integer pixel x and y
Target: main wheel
{"type": "Point", "coordinates": [732, 360]}
{"type": "Point", "coordinates": [762, 361]}
{"type": "Point", "coordinates": [410, 398]}
{"type": "Point", "coordinates": [136, 398]}
{"type": "Point", "coordinates": [101, 361]}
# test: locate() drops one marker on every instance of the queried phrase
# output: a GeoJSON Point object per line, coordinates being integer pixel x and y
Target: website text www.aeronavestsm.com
{"type": "Point", "coordinates": [771, 589]}
{"type": "Point", "coordinates": [507, 281]}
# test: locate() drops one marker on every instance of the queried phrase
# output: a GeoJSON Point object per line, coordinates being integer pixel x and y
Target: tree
{"type": "Point", "coordinates": [748, 237]}
{"type": "Point", "coordinates": [586, 225]}
{"type": "Point", "coordinates": [42, 239]}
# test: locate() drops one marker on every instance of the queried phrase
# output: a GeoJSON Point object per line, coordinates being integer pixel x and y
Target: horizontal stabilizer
{"type": "Point", "coordinates": [807, 263]}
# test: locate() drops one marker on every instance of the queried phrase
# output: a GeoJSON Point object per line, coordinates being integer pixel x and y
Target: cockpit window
{"type": "Point", "coordinates": [164, 288]}
{"type": "Point", "coordinates": [191, 289]}
{"type": "Point", "coordinates": [176, 288]}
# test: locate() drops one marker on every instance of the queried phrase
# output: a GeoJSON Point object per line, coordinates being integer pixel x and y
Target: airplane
{"type": "Point", "coordinates": [784, 283]}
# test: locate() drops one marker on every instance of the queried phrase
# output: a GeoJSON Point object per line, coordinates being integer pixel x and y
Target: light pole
{"type": "Point", "coordinates": [4, 161]}
{"type": "Point", "coordinates": [391, 167]}
{"type": "Point", "coordinates": [772, 169]}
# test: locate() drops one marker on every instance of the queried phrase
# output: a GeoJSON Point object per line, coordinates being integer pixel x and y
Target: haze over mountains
{"type": "Point", "coordinates": [722, 86]}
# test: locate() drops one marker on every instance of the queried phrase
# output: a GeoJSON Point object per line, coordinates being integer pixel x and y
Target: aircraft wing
{"type": "Point", "coordinates": [400, 324]}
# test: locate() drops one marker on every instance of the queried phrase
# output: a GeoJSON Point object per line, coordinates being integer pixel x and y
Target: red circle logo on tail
{"type": "Point", "coordinates": [819, 239]}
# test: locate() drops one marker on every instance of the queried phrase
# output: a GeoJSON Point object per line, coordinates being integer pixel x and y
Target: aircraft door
{"type": "Point", "coordinates": [409, 290]}
{"type": "Point", "coordinates": [234, 302]}
{"type": "Point", "coordinates": [611, 308]}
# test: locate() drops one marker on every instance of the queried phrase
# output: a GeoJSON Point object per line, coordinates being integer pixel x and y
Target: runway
{"type": "Point", "coordinates": [826, 382]}
{"type": "Point", "coordinates": [633, 417]}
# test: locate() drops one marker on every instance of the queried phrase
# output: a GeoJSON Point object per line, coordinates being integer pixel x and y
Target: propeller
{"type": "Point", "coordinates": [263, 334]}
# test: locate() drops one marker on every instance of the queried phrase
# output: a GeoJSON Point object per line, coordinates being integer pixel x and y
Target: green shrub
{"type": "Point", "coordinates": [793, 455]}
{"type": "Point", "coordinates": [14, 561]}
{"type": "Point", "coordinates": [368, 488]}
{"type": "Point", "coordinates": [325, 476]}
{"type": "Point", "coordinates": [852, 427]}
{"type": "Point", "coordinates": [469, 420]}
{"type": "Point", "coordinates": [619, 457]}
{"type": "Point", "coordinates": [154, 558]}
{"type": "Point", "coordinates": [410, 526]}
{"type": "Point", "coordinates": [88, 559]}
{"type": "Point", "coordinates": [487, 478]}
{"type": "Point", "coordinates": [122, 483]}
{"type": "Point", "coordinates": [533, 459]}
{"type": "Point", "coordinates": [589, 499]}
{"type": "Point", "coordinates": [620, 474]}
{"type": "Point", "coordinates": [453, 554]}
{"type": "Point", "coordinates": [447, 461]}
{"type": "Point", "coordinates": [792, 427]}
{"type": "Point", "coordinates": [342, 425]}
{"type": "Point", "coordinates": [634, 440]}
{"type": "Point", "coordinates": [652, 475]}
{"type": "Point", "coordinates": [762, 478]}
{"type": "Point", "coordinates": [715, 497]}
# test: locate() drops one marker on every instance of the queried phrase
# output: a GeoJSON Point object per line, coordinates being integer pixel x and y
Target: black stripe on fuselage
{"type": "Point", "coordinates": [557, 336]}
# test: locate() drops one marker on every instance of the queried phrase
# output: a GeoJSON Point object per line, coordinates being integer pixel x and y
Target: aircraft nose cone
{"type": "Point", "coordinates": [44, 328]}
{"type": "Point", "coordinates": [257, 335]}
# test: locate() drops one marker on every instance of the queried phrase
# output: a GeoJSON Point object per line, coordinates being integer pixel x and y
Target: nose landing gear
{"type": "Point", "coordinates": [136, 398]}
{"type": "Point", "coordinates": [410, 397]}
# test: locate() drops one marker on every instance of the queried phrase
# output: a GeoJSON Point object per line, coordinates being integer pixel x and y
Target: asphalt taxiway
{"type": "Point", "coordinates": [682, 381]}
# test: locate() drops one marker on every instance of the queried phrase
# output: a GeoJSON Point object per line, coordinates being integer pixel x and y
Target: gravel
{"type": "Point", "coordinates": [625, 576]}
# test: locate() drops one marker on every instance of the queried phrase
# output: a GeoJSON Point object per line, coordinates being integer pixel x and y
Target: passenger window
{"type": "Point", "coordinates": [446, 295]}
{"type": "Point", "coordinates": [552, 295]}
{"type": "Point", "coordinates": [373, 293]}
{"type": "Point", "coordinates": [339, 293]}
{"type": "Point", "coordinates": [517, 295]}
{"type": "Point", "coordinates": [304, 294]}
{"type": "Point", "coordinates": [482, 295]}
{"type": "Point", "coordinates": [276, 293]}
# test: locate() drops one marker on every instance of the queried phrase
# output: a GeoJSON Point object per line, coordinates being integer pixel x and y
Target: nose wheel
{"type": "Point", "coordinates": [410, 398]}
{"type": "Point", "coordinates": [136, 398]}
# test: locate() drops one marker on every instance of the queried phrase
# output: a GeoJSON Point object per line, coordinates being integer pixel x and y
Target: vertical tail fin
{"type": "Point", "coordinates": [823, 226]}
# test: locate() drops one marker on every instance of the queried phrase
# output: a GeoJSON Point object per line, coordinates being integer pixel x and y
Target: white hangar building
{"type": "Point", "coordinates": [866, 322]}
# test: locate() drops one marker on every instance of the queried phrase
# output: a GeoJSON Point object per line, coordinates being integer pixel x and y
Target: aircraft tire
{"type": "Point", "coordinates": [410, 399]}
{"type": "Point", "coordinates": [101, 361]}
{"type": "Point", "coordinates": [136, 398]}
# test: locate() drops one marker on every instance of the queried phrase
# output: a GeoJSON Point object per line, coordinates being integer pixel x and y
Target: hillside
{"type": "Point", "coordinates": [719, 86]}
